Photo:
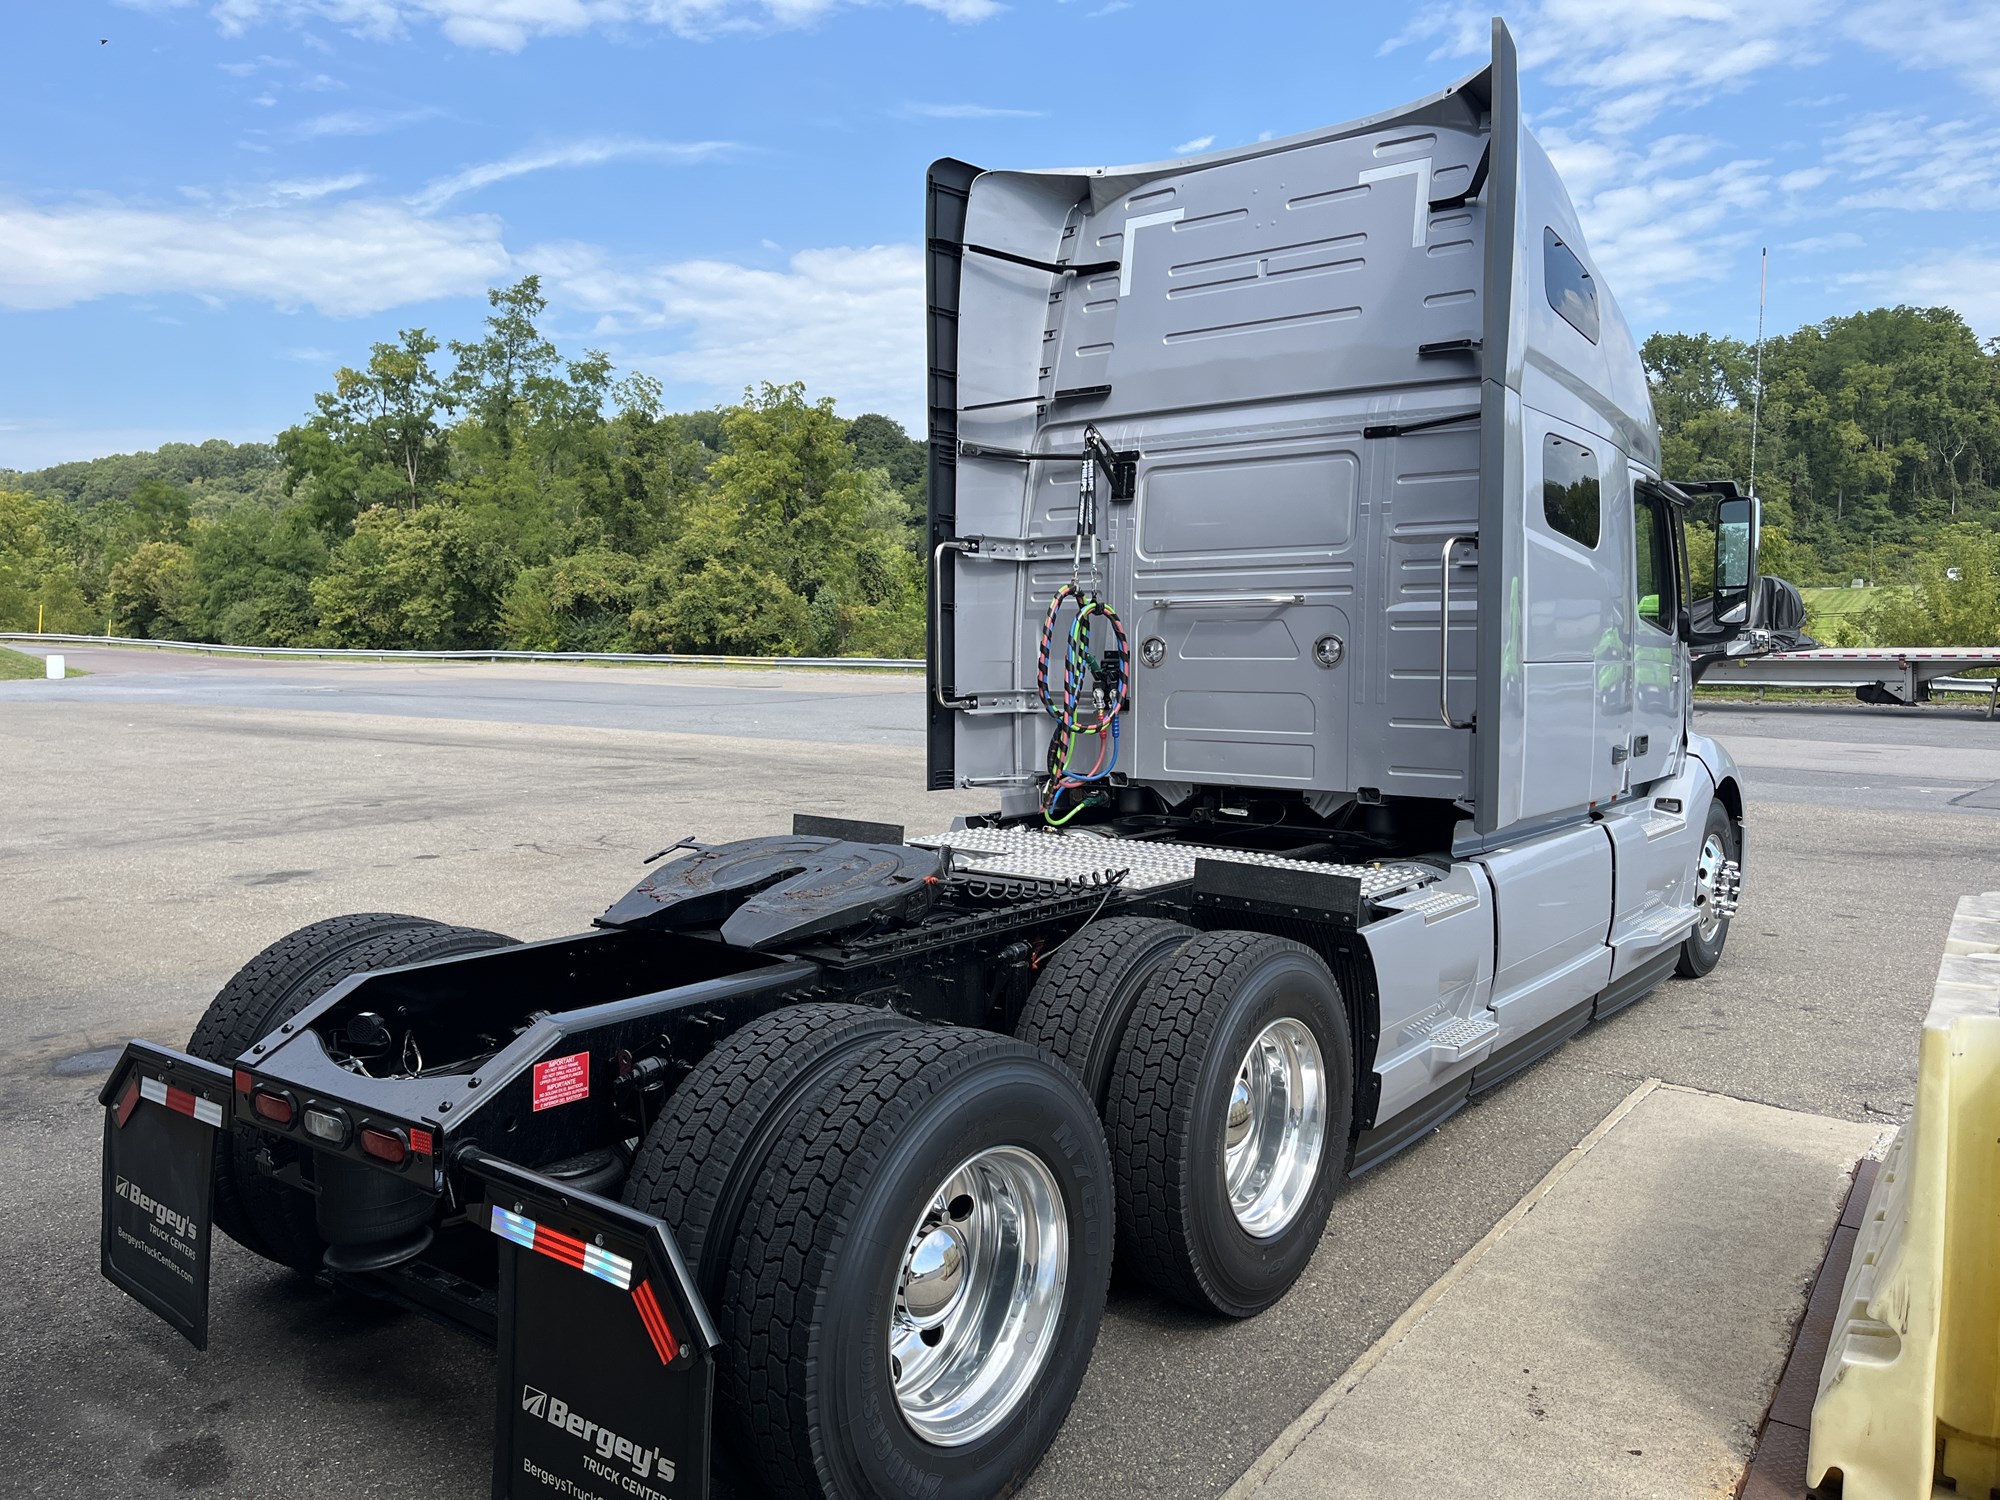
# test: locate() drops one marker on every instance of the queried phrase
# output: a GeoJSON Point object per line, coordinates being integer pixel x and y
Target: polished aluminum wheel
{"type": "Point", "coordinates": [1709, 876]}
{"type": "Point", "coordinates": [1275, 1132]}
{"type": "Point", "coordinates": [980, 1296]}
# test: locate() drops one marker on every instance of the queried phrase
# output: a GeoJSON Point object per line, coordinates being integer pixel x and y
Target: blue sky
{"type": "Point", "coordinates": [205, 207]}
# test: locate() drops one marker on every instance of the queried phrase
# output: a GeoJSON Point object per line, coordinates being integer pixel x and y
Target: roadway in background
{"type": "Point", "coordinates": [163, 819]}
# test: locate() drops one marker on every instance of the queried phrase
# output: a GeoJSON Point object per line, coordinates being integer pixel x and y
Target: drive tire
{"type": "Point", "coordinates": [818, 1272]}
{"type": "Point", "coordinates": [266, 1217]}
{"type": "Point", "coordinates": [1084, 995]}
{"type": "Point", "coordinates": [700, 1161]}
{"type": "Point", "coordinates": [1699, 956]}
{"type": "Point", "coordinates": [1168, 1114]}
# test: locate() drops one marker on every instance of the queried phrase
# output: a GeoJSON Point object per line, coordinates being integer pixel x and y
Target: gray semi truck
{"type": "Point", "coordinates": [1306, 590]}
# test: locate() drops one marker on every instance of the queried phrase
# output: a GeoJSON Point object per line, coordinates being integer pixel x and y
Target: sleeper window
{"type": "Point", "coordinates": [1571, 291]}
{"type": "Point", "coordinates": [1570, 489]}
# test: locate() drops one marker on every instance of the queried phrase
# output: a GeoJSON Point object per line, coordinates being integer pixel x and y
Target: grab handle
{"type": "Point", "coordinates": [935, 635]}
{"type": "Point", "coordinates": [1444, 635]}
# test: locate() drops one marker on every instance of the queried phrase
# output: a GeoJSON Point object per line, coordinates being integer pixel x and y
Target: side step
{"type": "Point", "coordinates": [1461, 1036]}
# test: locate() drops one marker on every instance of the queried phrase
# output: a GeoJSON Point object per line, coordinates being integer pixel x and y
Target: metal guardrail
{"type": "Point", "coordinates": [1907, 673]}
{"type": "Point", "coordinates": [1909, 1395]}
{"type": "Point", "coordinates": [337, 653]}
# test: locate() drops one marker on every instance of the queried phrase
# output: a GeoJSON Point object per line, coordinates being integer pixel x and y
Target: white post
{"type": "Point", "coordinates": [55, 668]}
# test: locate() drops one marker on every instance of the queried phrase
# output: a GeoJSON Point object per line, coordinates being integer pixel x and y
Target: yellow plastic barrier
{"type": "Point", "coordinates": [1909, 1396]}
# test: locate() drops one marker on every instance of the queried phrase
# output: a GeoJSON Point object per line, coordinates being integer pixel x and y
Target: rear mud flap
{"type": "Point", "coordinates": [162, 1110]}
{"type": "Point", "coordinates": [606, 1354]}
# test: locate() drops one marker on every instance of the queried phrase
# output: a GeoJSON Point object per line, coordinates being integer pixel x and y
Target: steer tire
{"type": "Point", "coordinates": [1083, 998]}
{"type": "Point", "coordinates": [1698, 957]}
{"type": "Point", "coordinates": [701, 1159]}
{"type": "Point", "coordinates": [816, 1274]}
{"type": "Point", "coordinates": [263, 1216]}
{"type": "Point", "coordinates": [1168, 1112]}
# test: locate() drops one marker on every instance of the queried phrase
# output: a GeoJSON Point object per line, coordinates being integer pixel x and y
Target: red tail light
{"type": "Point", "coordinates": [275, 1107]}
{"type": "Point", "coordinates": [242, 1080]}
{"type": "Point", "coordinates": [384, 1145]}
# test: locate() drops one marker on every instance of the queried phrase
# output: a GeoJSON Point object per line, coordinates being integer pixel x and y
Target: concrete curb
{"type": "Point", "coordinates": [1309, 1420]}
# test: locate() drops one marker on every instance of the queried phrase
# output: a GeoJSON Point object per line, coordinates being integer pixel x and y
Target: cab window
{"type": "Point", "coordinates": [1653, 565]}
{"type": "Point", "coordinates": [1570, 494]}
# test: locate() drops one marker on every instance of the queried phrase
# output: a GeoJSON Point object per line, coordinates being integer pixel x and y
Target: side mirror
{"type": "Point", "coordinates": [1738, 523]}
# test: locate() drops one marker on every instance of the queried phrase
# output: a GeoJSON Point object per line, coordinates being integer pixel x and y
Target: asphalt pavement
{"type": "Point", "coordinates": [163, 819]}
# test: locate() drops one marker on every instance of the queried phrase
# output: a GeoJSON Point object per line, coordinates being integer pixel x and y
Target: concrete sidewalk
{"type": "Point", "coordinates": [1619, 1332]}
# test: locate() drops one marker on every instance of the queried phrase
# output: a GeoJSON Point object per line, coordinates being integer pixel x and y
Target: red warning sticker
{"type": "Point", "coordinates": [562, 1080]}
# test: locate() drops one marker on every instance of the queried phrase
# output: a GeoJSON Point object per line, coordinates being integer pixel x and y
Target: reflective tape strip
{"type": "Point", "coordinates": [181, 1101]}
{"type": "Point", "coordinates": [513, 1227]}
{"type": "Point", "coordinates": [567, 1248]}
{"type": "Point", "coordinates": [664, 1342]}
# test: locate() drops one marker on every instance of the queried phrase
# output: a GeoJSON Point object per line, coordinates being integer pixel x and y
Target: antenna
{"type": "Point", "coordinates": [1757, 385]}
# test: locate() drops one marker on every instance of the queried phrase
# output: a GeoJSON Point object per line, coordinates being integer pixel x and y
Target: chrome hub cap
{"type": "Point", "coordinates": [979, 1299]}
{"type": "Point", "coordinates": [1709, 876]}
{"type": "Point", "coordinates": [1275, 1131]}
{"type": "Point", "coordinates": [934, 1280]}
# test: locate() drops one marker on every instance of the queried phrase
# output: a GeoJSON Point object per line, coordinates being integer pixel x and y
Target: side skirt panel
{"type": "Point", "coordinates": [1523, 1050]}
{"type": "Point", "coordinates": [1636, 985]}
{"type": "Point", "coordinates": [1376, 1146]}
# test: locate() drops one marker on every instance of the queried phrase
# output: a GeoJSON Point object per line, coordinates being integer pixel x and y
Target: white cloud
{"type": "Point", "coordinates": [970, 112]}
{"type": "Point", "coordinates": [509, 25]}
{"type": "Point", "coordinates": [1968, 280]}
{"type": "Point", "coordinates": [1199, 143]}
{"type": "Point", "coordinates": [1628, 66]}
{"type": "Point", "coordinates": [1904, 162]}
{"type": "Point", "coordinates": [1957, 36]}
{"type": "Point", "coordinates": [847, 321]}
{"type": "Point", "coordinates": [362, 122]}
{"type": "Point", "coordinates": [1650, 221]}
{"type": "Point", "coordinates": [573, 154]}
{"type": "Point", "coordinates": [964, 12]}
{"type": "Point", "coordinates": [344, 259]}
{"type": "Point", "coordinates": [1815, 244]}
{"type": "Point", "coordinates": [278, 194]}
{"type": "Point", "coordinates": [1663, 211]}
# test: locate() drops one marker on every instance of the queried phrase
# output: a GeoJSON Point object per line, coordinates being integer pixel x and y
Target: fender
{"type": "Point", "coordinates": [1728, 785]}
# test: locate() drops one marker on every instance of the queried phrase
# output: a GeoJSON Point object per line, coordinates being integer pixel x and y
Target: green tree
{"type": "Point", "coordinates": [582, 602]}
{"type": "Point", "coordinates": [153, 592]}
{"type": "Point", "coordinates": [718, 601]}
{"type": "Point", "coordinates": [507, 377]}
{"type": "Point", "coordinates": [376, 438]}
{"type": "Point", "coordinates": [427, 579]}
{"type": "Point", "coordinates": [254, 570]}
{"type": "Point", "coordinates": [880, 442]}
{"type": "Point", "coordinates": [1955, 600]}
